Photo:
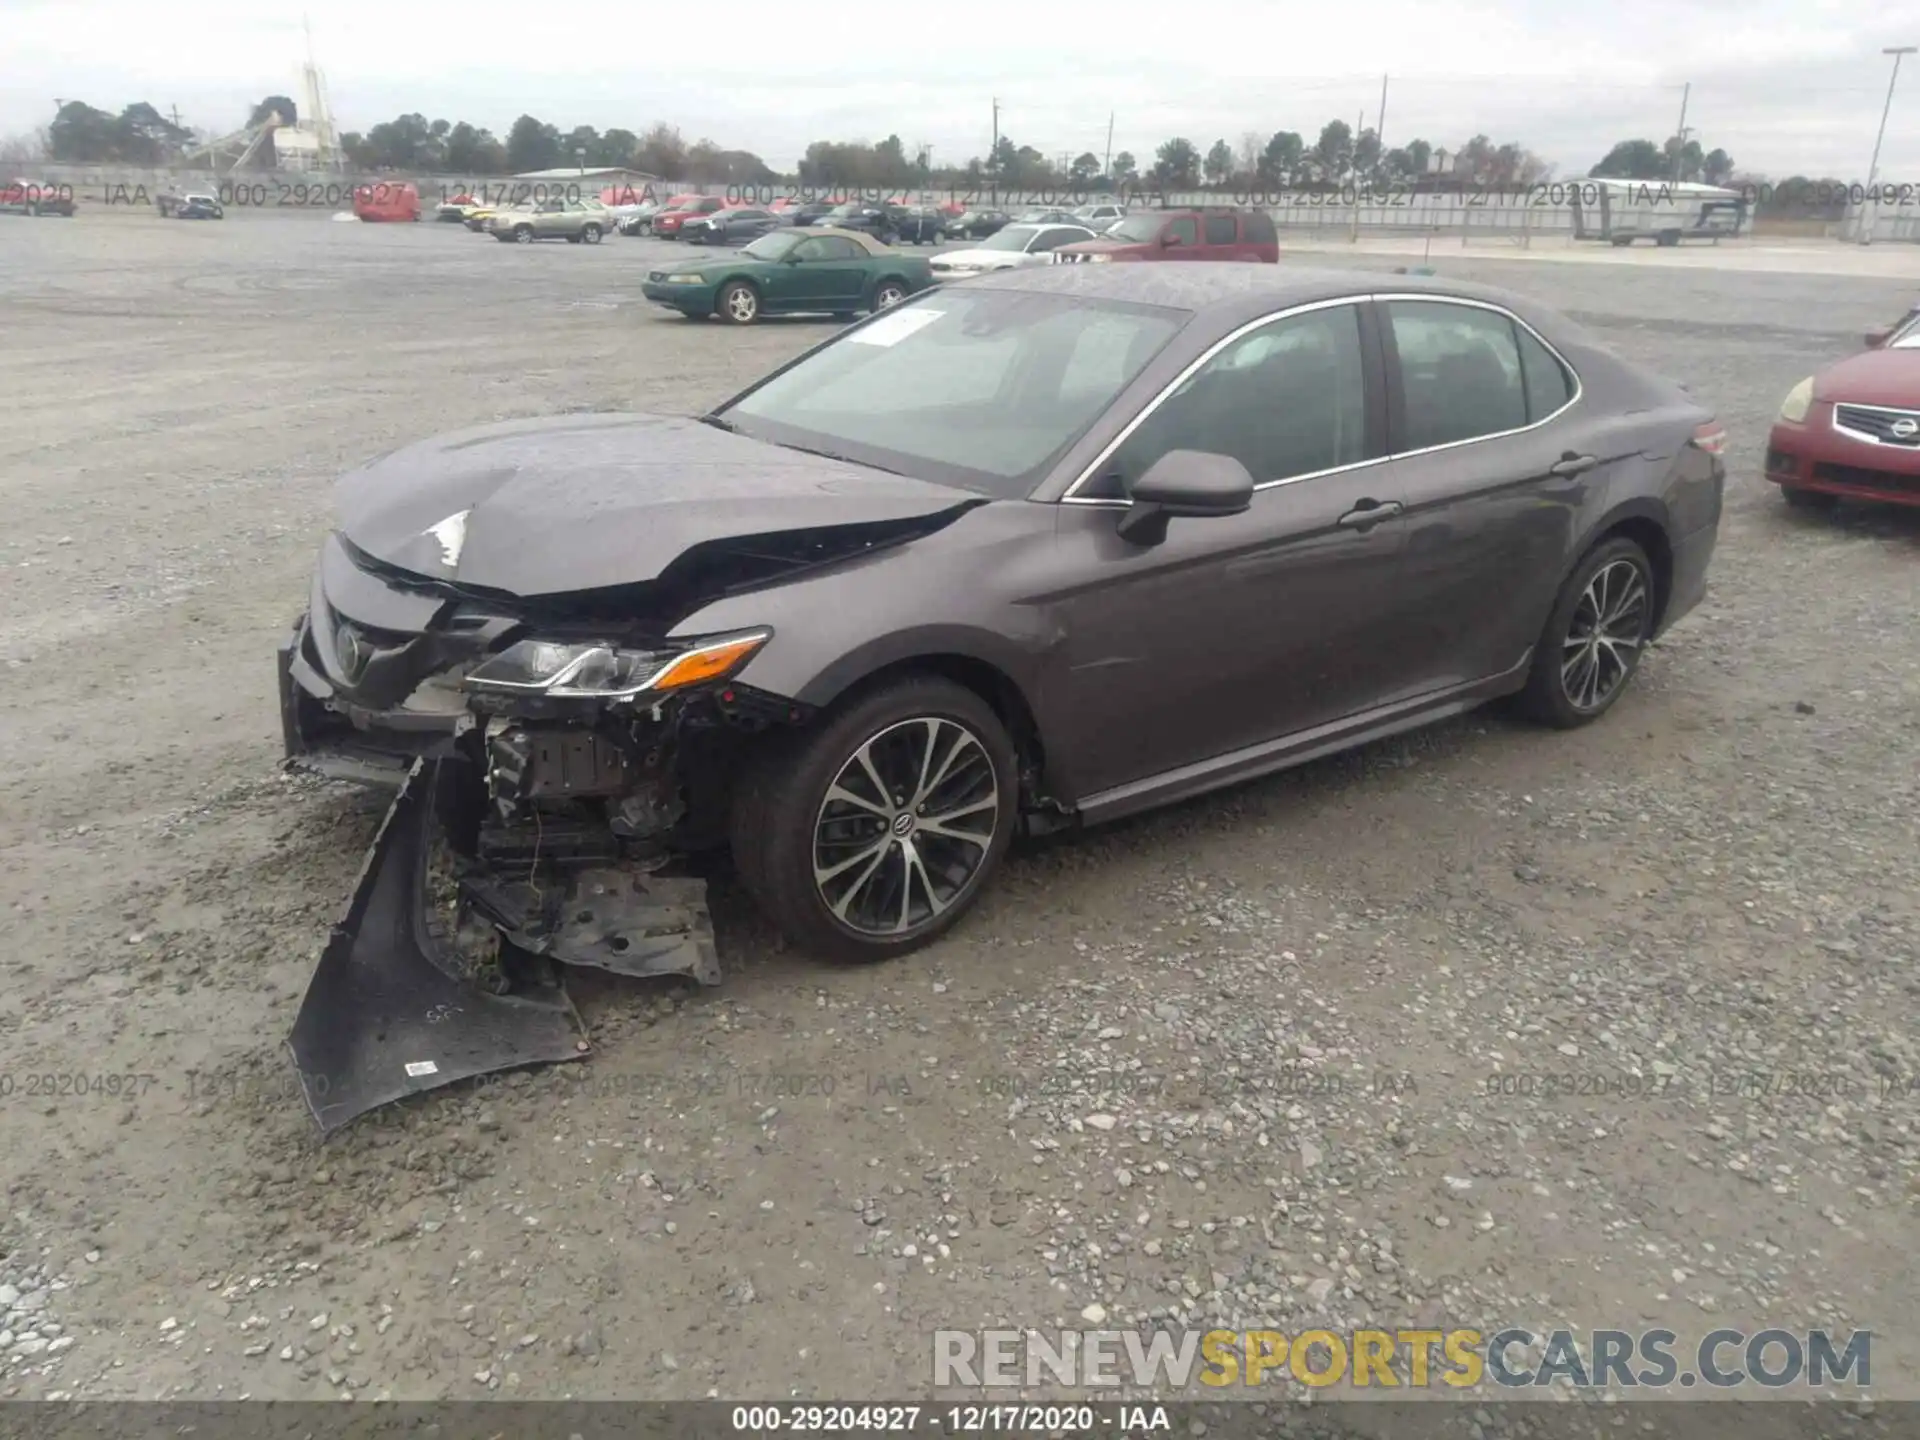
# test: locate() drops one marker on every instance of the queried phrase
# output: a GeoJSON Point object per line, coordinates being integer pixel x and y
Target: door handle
{"type": "Point", "coordinates": [1571, 464]}
{"type": "Point", "coordinates": [1369, 513]}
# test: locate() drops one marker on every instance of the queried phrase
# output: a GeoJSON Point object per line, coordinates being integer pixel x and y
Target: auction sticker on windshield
{"type": "Point", "coordinates": [892, 329]}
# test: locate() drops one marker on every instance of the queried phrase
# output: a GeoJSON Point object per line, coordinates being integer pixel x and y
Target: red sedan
{"type": "Point", "coordinates": [1853, 430]}
{"type": "Point", "coordinates": [666, 225]}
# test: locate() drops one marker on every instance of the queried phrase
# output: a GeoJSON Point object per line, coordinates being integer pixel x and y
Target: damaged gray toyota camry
{"type": "Point", "coordinates": [1039, 549]}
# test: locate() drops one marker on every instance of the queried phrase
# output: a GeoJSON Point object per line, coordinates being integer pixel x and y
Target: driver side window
{"type": "Point", "coordinates": [1285, 400]}
{"type": "Point", "coordinates": [825, 247]}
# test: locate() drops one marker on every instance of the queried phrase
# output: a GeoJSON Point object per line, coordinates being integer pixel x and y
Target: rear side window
{"type": "Point", "coordinates": [1257, 226]}
{"type": "Point", "coordinates": [1221, 230]}
{"type": "Point", "coordinates": [1185, 230]}
{"type": "Point", "coordinates": [1460, 372]}
{"type": "Point", "coordinates": [1549, 387]}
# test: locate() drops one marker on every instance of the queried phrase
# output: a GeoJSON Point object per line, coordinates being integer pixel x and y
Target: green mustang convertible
{"type": "Point", "coordinates": [798, 271]}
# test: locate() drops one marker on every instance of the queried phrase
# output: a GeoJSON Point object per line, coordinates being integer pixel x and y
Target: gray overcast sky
{"type": "Point", "coordinates": [1784, 85]}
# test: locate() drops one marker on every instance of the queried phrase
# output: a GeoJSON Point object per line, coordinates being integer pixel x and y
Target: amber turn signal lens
{"type": "Point", "coordinates": [709, 662]}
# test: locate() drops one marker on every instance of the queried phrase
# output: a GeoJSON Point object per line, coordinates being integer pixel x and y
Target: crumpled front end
{"type": "Point", "coordinates": [560, 768]}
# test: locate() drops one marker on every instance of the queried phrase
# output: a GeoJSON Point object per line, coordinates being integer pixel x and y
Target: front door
{"type": "Point", "coordinates": [826, 273]}
{"type": "Point", "coordinates": [1238, 630]}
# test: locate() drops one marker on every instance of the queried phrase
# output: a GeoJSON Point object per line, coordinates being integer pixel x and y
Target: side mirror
{"type": "Point", "coordinates": [1189, 484]}
{"type": "Point", "coordinates": [1876, 339]}
{"type": "Point", "coordinates": [1169, 239]}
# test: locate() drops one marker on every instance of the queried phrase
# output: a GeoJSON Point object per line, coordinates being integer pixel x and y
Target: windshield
{"type": "Point", "coordinates": [773, 246]}
{"type": "Point", "coordinates": [1137, 228]}
{"type": "Point", "coordinates": [983, 391]}
{"type": "Point", "coordinates": [1906, 335]}
{"type": "Point", "coordinates": [1014, 237]}
{"type": "Point", "coordinates": [850, 208]}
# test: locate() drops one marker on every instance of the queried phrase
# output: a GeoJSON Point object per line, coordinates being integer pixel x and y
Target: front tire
{"type": "Point", "coordinates": [523, 235]}
{"type": "Point", "coordinates": [888, 293]}
{"type": "Point", "coordinates": [873, 834]}
{"type": "Point", "coordinates": [591, 234]}
{"type": "Point", "coordinates": [738, 303]}
{"type": "Point", "coordinates": [1594, 638]}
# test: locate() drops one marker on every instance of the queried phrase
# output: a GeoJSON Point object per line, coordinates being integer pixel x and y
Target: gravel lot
{"type": "Point", "coordinates": [1241, 1061]}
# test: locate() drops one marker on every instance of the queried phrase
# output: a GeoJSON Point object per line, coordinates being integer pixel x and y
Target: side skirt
{"type": "Point", "coordinates": [1297, 749]}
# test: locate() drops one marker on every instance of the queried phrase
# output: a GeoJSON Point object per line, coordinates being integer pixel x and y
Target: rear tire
{"type": "Point", "coordinates": [1594, 638]}
{"type": "Point", "coordinates": [1809, 499]}
{"type": "Point", "coordinates": [523, 234]}
{"type": "Point", "coordinates": [891, 884]}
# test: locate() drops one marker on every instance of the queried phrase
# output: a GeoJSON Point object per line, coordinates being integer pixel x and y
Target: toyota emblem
{"type": "Point", "coordinates": [1904, 429]}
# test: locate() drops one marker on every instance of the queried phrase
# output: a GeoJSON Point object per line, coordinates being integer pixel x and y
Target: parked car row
{"type": "Point", "coordinates": [36, 197]}
{"type": "Point", "coordinates": [709, 219]}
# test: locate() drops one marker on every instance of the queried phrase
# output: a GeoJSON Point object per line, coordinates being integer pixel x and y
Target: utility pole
{"type": "Point", "coordinates": [1106, 167]}
{"type": "Point", "coordinates": [1873, 166]}
{"type": "Point", "coordinates": [993, 157]}
{"type": "Point", "coordinates": [1380, 128]}
{"type": "Point", "coordinates": [1680, 135]}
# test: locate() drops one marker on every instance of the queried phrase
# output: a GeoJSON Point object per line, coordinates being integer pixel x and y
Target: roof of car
{"type": "Point", "coordinates": [1200, 286]}
{"type": "Point", "coordinates": [865, 241]}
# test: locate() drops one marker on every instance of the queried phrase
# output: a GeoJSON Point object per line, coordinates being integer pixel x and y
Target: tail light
{"type": "Point", "coordinates": [1711, 437]}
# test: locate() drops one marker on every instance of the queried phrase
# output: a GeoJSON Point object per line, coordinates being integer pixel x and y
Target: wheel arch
{"type": "Point", "coordinates": [949, 657]}
{"type": "Point", "coordinates": [1645, 523]}
{"type": "Point", "coordinates": [737, 277]}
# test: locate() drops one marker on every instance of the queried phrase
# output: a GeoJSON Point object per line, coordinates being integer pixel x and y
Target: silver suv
{"type": "Point", "coordinates": [574, 221]}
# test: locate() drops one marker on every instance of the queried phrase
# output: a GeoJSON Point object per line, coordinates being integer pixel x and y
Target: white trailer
{"type": "Point", "coordinates": [1665, 212]}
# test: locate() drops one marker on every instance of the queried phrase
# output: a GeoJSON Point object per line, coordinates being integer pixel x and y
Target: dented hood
{"type": "Point", "coordinates": [582, 502]}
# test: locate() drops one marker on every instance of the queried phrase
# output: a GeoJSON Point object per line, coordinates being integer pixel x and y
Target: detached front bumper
{"type": "Point", "coordinates": [1826, 453]}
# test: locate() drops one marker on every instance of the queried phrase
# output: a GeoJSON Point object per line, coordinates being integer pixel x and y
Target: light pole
{"type": "Point", "coordinates": [1873, 166]}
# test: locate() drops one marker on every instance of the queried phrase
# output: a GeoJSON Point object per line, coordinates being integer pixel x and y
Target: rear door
{"type": "Point", "coordinates": [1496, 460]}
{"type": "Point", "coordinates": [1220, 237]}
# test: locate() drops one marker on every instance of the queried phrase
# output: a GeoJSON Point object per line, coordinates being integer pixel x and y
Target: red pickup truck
{"type": "Point", "coordinates": [1210, 234]}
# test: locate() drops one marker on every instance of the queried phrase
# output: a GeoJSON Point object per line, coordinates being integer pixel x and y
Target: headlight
{"type": "Point", "coordinates": [685, 280]}
{"type": "Point", "coordinates": [561, 671]}
{"type": "Point", "coordinates": [1099, 259]}
{"type": "Point", "coordinates": [1799, 400]}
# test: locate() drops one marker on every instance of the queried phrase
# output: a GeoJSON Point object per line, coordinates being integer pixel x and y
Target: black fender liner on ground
{"type": "Point", "coordinates": [381, 1020]}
